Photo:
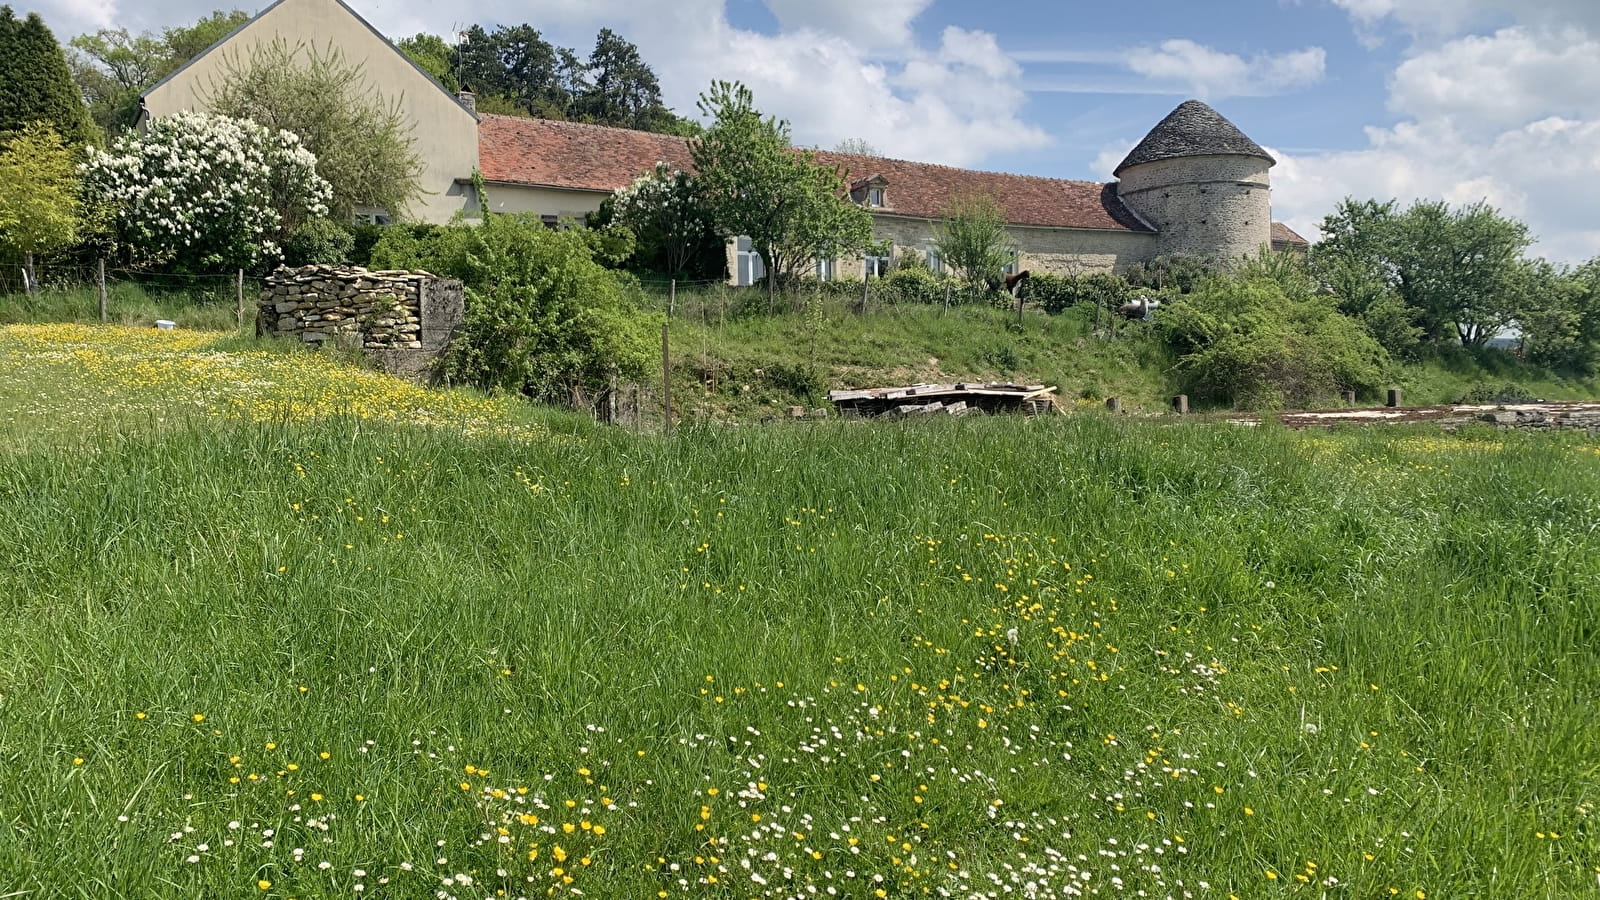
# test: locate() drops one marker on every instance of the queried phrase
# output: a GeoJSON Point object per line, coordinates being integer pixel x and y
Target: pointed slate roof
{"type": "Point", "coordinates": [1193, 129]}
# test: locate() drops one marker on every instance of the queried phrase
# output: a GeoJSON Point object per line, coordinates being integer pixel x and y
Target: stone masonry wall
{"type": "Point", "coordinates": [403, 319]}
{"type": "Point", "coordinates": [1218, 207]}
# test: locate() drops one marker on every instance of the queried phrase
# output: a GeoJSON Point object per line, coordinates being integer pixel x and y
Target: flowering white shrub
{"type": "Point", "coordinates": [203, 192]}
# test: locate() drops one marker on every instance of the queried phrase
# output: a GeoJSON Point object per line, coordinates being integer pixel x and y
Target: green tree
{"type": "Point", "coordinates": [38, 193]}
{"type": "Point", "coordinates": [621, 90]}
{"type": "Point", "coordinates": [755, 184]}
{"type": "Point", "coordinates": [362, 141]}
{"type": "Point", "coordinates": [1460, 271]}
{"type": "Point", "coordinates": [1256, 342]}
{"type": "Point", "coordinates": [972, 239]}
{"type": "Point", "coordinates": [516, 64]}
{"type": "Point", "coordinates": [1560, 318]}
{"type": "Point", "coordinates": [666, 210]}
{"type": "Point", "coordinates": [37, 83]}
{"type": "Point", "coordinates": [543, 318]}
{"type": "Point", "coordinates": [432, 55]}
{"type": "Point", "coordinates": [113, 66]}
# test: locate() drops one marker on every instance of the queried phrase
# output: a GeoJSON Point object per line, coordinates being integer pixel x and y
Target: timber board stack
{"type": "Point", "coordinates": [959, 399]}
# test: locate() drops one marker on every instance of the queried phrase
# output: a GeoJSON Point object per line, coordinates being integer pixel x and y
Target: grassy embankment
{"type": "Point", "coordinates": [282, 655]}
{"type": "Point", "coordinates": [733, 365]}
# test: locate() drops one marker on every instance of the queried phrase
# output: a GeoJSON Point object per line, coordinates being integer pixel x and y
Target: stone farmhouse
{"type": "Point", "coordinates": [1195, 184]}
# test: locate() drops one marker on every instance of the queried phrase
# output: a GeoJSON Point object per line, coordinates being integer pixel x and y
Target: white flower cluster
{"type": "Point", "coordinates": [210, 190]}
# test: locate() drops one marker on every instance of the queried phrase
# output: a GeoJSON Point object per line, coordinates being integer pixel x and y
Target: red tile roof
{"type": "Point", "coordinates": [596, 158]}
{"type": "Point", "coordinates": [1283, 234]}
{"type": "Point", "coordinates": [515, 150]}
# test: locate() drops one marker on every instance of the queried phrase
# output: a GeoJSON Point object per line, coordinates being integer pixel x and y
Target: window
{"type": "Point", "coordinates": [371, 215]}
{"type": "Point", "coordinates": [935, 261]}
{"type": "Point", "coordinates": [747, 265]}
{"type": "Point", "coordinates": [875, 197]}
{"type": "Point", "coordinates": [824, 270]}
{"type": "Point", "coordinates": [1012, 267]}
{"type": "Point", "coordinates": [877, 266]}
{"type": "Point", "coordinates": [550, 221]}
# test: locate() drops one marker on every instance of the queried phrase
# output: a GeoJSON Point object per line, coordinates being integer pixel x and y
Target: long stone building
{"type": "Point", "coordinates": [1195, 184]}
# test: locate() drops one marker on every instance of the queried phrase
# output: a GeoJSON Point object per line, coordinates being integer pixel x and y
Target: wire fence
{"type": "Point", "coordinates": [80, 291]}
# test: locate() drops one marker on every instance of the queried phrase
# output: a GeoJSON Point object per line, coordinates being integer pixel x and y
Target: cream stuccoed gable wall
{"type": "Point", "coordinates": [445, 133]}
{"type": "Point", "coordinates": [544, 201]}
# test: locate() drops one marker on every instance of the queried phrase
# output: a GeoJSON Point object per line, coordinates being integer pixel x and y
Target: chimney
{"type": "Point", "coordinates": [468, 99]}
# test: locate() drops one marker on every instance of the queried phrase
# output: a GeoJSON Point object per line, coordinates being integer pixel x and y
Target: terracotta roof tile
{"type": "Point", "coordinates": [596, 158]}
{"type": "Point", "coordinates": [1283, 234]}
{"type": "Point", "coordinates": [570, 155]}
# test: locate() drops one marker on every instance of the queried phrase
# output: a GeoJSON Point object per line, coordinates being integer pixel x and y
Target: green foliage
{"type": "Point", "coordinates": [363, 142]}
{"type": "Point", "coordinates": [1171, 274]}
{"type": "Point", "coordinates": [35, 82]}
{"type": "Point", "coordinates": [113, 66]}
{"type": "Point", "coordinates": [39, 209]}
{"type": "Point", "coordinates": [1254, 344]}
{"type": "Point", "coordinates": [972, 239]}
{"type": "Point", "coordinates": [1460, 270]}
{"type": "Point", "coordinates": [1057, 293]}
{"type": "Point", "coordinates": [913, 285]}
{"type": "Point", "coordinates": [543, 318]}
{"type": "Point", "coordinates": [515, 71]}
{"type": "Point", "coordinates": [318, 241]}
{"type": "Point", "coordinates": [667, 211]}
{"type": "Point", "coordinates": [1560, 317]}
{"type": "Point", "coordinates": [432, 55]}
{"type": "Point", "coordinates": [755, 184]}
{"type": "Point", "coordinates": [202, 192]}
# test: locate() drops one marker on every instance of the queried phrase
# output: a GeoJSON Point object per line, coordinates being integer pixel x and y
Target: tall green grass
{"type": "Point", "coordinates": [959, 658]}
{"type": "Point", "coordinates": [209, 304]}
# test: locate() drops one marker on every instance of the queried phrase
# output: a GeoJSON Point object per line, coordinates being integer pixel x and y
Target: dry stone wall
{"type": "Point", "coordinates": [403, 319]}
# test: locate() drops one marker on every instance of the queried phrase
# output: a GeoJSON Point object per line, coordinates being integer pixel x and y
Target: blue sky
{"type": "Point", "coordinates": [1463, 100]}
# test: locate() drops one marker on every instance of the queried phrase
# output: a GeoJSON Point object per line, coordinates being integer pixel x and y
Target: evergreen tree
{"type": "Point", "coordinates": [35, 83]}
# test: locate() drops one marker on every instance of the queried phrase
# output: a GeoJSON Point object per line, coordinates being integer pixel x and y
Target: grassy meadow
{"type": "Point", "coordinates": [397, 644]}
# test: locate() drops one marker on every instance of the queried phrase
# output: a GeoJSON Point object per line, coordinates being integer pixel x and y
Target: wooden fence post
{"type": "Point", "coordinates": [239, 295]}
{"type": "Point", "coordinates": [866, 285]}
{"type": "Point", "coordinates": [666, 382]}
{"type": "Point", "coordinates": [100, 272]}
{"type": "Point", "coordinates": [947, 298]}
{"type": "Point", "coordinates": [672, 298]}
{"type": "Point", "coordinates": [30, 278]}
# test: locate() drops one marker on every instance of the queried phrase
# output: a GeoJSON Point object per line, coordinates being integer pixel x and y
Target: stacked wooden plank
{"type": "Point", "coordinates": [958, 399]}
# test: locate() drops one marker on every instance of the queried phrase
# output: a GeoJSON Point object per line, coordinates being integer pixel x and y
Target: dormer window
{"type": "Point", "coordinates": [870, 192]}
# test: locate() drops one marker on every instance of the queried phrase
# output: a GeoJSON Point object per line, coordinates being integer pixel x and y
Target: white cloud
{"type": "Point", "coordinates": [1510, 116]}
{"type": "Point", "coordinates": [1501, 80]}
{"type": "Point", "coordinates": [1212, 74]}
{"type": "Point", "coordinates": [887, 23]}
{"type": "Point", "coordinates": [1447, 17]}
{"type": "Point", "coordinates": [1545, 173]}
{"type": "Point", "coordinates": [836, 69]}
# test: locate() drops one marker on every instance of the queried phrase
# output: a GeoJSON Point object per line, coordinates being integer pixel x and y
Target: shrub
{"type": "Point", "coordinates": [1248, 343]}
{"type": "Point", "coordinates": [317, 241]}
{"type": "Point", "coordinates": [1174, 273]}
{"type": "Point", "coordinates": [1055, 293]}
{"type": "Point", "coordinates": [913, 285]}
{"type": "Point", "coordinates": [543, 318]}
{"type": "Point", "coordinates": [204, 192]}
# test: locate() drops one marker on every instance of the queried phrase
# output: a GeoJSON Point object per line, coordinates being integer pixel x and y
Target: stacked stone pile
{"type": "Point", "coordinates": [379, 310]}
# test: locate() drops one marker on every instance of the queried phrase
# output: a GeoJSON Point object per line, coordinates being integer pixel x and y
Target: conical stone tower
{"type": "Point", "coordinates": [1201, 184]}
